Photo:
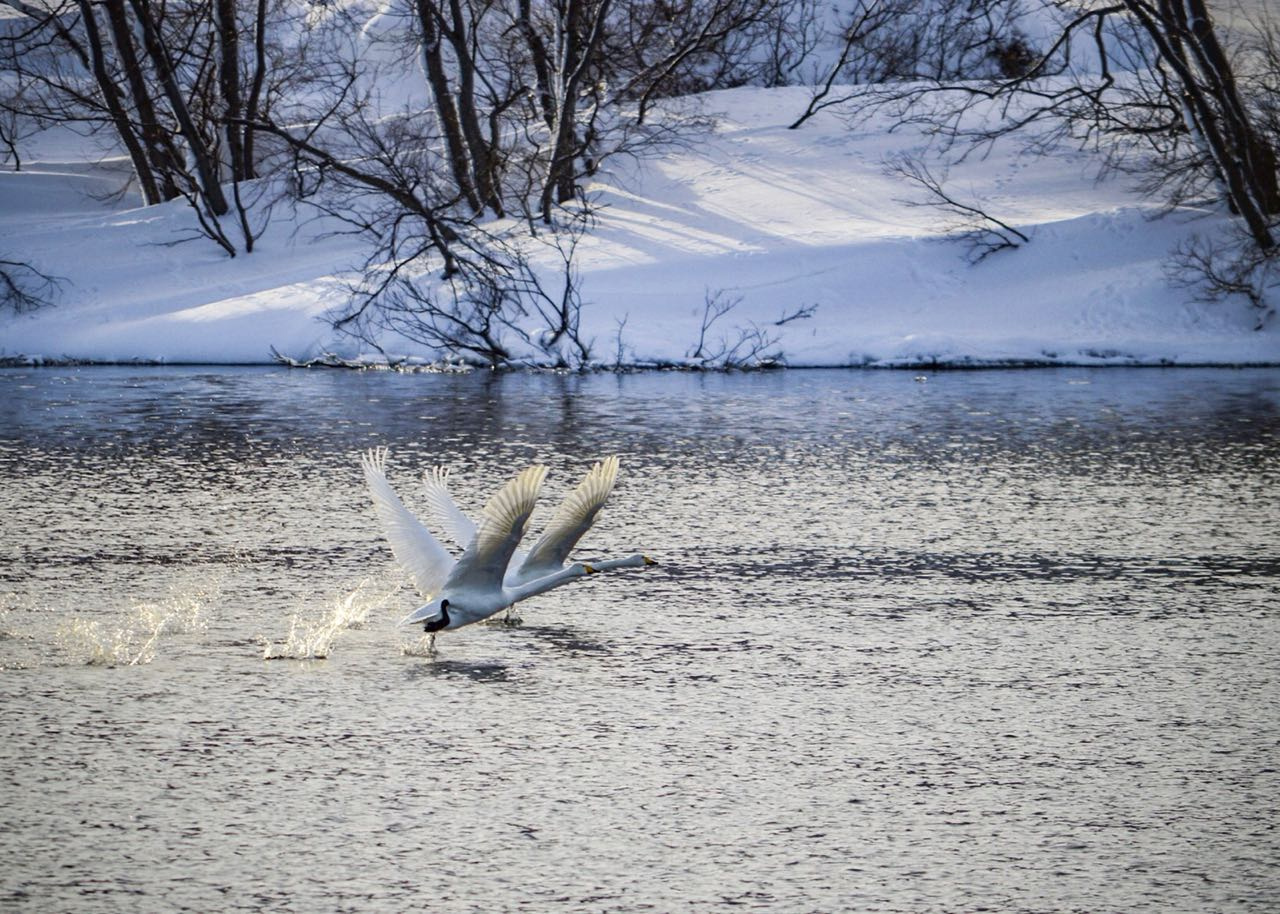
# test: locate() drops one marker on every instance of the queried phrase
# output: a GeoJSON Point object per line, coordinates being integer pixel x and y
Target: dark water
{"type": "Point", "coordinates": [999, 641]}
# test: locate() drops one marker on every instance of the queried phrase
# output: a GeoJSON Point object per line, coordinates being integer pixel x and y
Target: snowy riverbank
{"type": "Point", "coordinates": [776, 220]}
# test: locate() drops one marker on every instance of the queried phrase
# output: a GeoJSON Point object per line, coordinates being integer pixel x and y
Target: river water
{"type": "Point", "coordinates": [962, 641]}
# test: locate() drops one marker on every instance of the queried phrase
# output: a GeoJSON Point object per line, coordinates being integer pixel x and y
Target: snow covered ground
{"type": "Point", "coordinates": [773, 219]}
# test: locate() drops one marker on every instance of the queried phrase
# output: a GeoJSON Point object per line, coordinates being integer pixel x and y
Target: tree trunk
{"type": "Point", "coordinates": [1215, 113]}
{"type": "Point", "coordinates": [164, 159]}
{"type": "Point", "coordinates": [255, 90]}
{"type": "Point", "coordinates": [541, 67]}
{"type": "Point", "coordinates": [580, 40]}
{"type": "Point", "coordinates": [438, 79]}
{"type": "Point", "coordinates": [115, 107]}
{"type": "Point", "coordinates": [229, 83]}
{"type": "Point", "coordinates": [1257, 155]}
{"type": "Point", "coordinates": [482, 155]}
{"type": "Point", "coordinates": [206, 167]}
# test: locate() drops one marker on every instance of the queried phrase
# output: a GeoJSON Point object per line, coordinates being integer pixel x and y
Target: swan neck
{"type": "Point", "coordinates": [631, 561]}
{"type": "Point", "coordinates": [435, 625]}
{"type": "Point", "coordinates": [540, 585]}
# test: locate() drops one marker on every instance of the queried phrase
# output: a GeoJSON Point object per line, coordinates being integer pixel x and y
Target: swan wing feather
{"type": "Point", "coordinates": [505, 519]}
{"type": "Point", "coordinates": [418, 552]}
{"type": "Point", "coordinates": [460, 528]}
{"type": "Point", "coordinates": [572, 519]}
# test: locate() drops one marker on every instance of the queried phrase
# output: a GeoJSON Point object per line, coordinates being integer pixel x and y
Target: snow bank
{"type": "Point", "coordinates": [773, 221]}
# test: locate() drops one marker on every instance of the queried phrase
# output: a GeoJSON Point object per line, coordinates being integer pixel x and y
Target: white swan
{"type": "Point", "coordinates": [473, 588]}
{"type": "Point", "coordinates": [570, 523]}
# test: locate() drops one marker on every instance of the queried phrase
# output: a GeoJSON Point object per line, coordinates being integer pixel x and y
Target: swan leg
{"type": "Point", "coordinates": [423, 647]}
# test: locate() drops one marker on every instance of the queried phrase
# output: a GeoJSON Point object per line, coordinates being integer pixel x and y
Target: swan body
{"type": "Point", "coordinates": [466, 605]}
{"type": "Point", "coordinates": [481, 583]}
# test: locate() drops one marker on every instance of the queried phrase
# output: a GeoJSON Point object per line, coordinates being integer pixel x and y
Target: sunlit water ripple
{"type": "Point", "coordinates": [995, 641]}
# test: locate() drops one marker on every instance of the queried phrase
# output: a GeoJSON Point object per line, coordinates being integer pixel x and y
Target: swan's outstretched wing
{"type": "Point", "coordinates": [460, 528]}
{"type": "Point", "coordinates": [417, 551]}
{"type": "Point", "coordinates": [506, 517]}
{"type": "Point", "coordinates": [572, 519]}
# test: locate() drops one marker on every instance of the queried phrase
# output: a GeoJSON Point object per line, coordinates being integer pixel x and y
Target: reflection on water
{"type": "Point", "coordinates": [455, 669]}
{"type": "Point", "coordinates": [572, 641]}
{"type": "Point", "coordinates": [1002, 640]}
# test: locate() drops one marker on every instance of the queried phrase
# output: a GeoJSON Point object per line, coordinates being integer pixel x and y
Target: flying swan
{"type": "Point", "coordinates": [487, 578]}
{"type": "Point", "coordinates": [570, 523]}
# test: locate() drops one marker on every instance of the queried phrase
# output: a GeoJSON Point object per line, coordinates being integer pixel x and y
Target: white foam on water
{"type": "Point", "coordinates": [422, 647]}
{"type": "Point", "coordinates": [133, 638]}
{"type": "Point", "coordinates": [97, 644]}
{"type": "Point", "coordinates": [313, 637]}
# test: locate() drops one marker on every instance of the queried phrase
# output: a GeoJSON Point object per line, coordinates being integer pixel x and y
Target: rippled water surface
{"type": "Point", "coordinates": [998, 641]}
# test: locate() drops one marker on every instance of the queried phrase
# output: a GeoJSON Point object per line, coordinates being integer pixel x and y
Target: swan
{"type": "Point", "coordinates": [568, 525]}
{"type": "Point", "coordinates": [474, 587]}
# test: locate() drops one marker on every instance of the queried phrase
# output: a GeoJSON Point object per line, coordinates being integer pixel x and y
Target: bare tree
{"type": "Point", "coordinates": [15, 126]}
{"type": "Point", "coordinates": [1150, 85]}
{"type": "Point", "coordinates": [436, 273]}
{"type": "Point", "coordinates": [743, 346]}
{"type": "Point", "coordinates": [899, 41]}
{"type": "Point", "coordinates": [59, 62]}
{"type": "Point", "coordinates": [23, 288]}
{"type": "Point", "coordinates": [166, 78]}
{"type": "Point", "coordinates": [970, 222]}
{"type": "Point", "coordinates": [525, 102]}
{"type": "Point", "coordinates": [1161, 99]}
{"type": "Point", "coordinates": [1215, 269]}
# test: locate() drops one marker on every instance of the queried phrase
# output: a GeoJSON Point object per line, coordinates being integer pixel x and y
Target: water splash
{"type": "Point", "coordinates": [133, 640]}
{"type": "Point", "coordinates": [97, 644]}
{"type": "Point", "coordinates": [423, 647]}
{"type": "Point", "coordinates": [509, 619]}
{"type": "Point", "coordinates": [312, 638]}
